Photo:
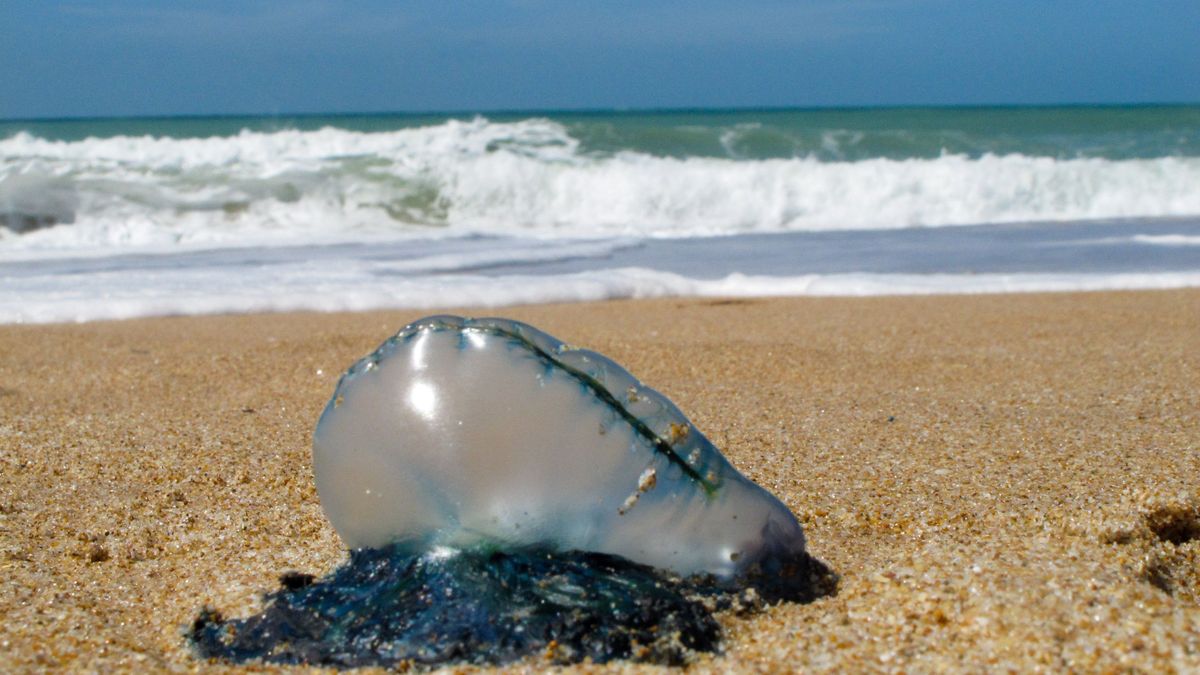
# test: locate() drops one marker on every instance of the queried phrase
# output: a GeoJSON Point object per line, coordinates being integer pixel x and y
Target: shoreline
{"type": "Point", "coordinates": [998, 479]}
{"type": "Point", "coordinates": [391, 273]}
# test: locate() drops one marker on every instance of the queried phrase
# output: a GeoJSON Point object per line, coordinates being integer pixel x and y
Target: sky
{"type": "Point", "coordinates": [204, 57]}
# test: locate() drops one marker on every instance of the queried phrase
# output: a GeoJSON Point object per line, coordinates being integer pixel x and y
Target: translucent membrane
{"type": "Point", "coordinates": [459, 433]}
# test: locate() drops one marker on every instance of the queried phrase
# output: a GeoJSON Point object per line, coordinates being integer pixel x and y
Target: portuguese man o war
{"type": "Point", "coordinates": [457, 432]}
{"type": "Point", "coordinates": [502, 494]}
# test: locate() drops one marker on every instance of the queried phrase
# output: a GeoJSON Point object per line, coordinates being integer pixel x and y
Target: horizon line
{"type": "Point", "coordinates": [587, 111]}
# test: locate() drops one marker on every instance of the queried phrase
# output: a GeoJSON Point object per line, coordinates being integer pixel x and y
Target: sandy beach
{"type": "Point", "coordinates": [1005, 482]}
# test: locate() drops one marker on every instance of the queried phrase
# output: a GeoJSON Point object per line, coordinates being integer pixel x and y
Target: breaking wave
{"type": "Point", "coordinates": [525, 178]}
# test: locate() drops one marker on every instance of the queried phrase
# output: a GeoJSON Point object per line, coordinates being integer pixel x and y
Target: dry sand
{"type": "Point", "coordinates": [1002, 481]}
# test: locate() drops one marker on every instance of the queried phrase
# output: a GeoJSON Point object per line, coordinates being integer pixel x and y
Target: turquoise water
{"type": "Point", "coordinates": [110, 218]}
{"type": "Point", "coordinates": [1109, 132]}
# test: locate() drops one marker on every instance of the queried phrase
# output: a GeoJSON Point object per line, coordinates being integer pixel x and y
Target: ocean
{"type": "Point", "coordinates": [118, 218]}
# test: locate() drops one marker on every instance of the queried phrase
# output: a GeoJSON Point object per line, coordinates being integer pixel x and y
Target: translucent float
{"type": "Point", "coordinates": [459, 432]}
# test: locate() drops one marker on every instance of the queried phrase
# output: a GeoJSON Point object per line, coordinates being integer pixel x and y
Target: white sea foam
{"type": "Point", "coordinates": [1164, 240]}
{"type": "Point", "coordinates": [527, 178]}
{"type": "Point", "coordinates": [1167, 239]}
{"type": "Point", "coordinates": [122, 294]}
{"type": "Point", "coordinates": [483, 214]}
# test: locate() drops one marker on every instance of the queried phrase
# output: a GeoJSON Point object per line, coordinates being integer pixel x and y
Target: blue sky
{"type": "Point", "coordinates": [117, 57]}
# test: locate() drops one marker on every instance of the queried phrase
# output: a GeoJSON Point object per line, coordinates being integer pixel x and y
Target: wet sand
{"type": "Point", "coordinates": [1002, 482]}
